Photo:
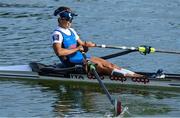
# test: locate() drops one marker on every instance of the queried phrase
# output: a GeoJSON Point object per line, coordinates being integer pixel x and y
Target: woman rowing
{"type": "Point", "coordinates": [68, 47]}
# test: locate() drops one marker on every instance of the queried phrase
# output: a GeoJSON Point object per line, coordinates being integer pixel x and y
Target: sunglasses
{"type": "Point", "coordinates": [67, 15]}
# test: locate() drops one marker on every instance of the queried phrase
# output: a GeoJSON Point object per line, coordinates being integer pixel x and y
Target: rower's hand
{"type": "Point", "coordinates": [83, 48]}
{"type": "Point", "coordinates": [80, 48]}
{"type": "Point", "coordinates": [90, 44]}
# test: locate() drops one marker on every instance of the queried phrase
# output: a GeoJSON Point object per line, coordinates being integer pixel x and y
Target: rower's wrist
{"type": "Point", "coordinates": [80, 48]}
{"type": "Point", "coordinates": [89, 44]}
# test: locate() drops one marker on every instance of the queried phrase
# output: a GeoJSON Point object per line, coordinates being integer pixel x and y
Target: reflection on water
{"type": "Point", "coordinates": [49, 98]}
{"type": "Point", "coordinates": [75, 100]}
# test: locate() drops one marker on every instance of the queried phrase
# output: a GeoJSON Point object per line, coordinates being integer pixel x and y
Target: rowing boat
{"type": "Point", "coordinates": [38, 71]}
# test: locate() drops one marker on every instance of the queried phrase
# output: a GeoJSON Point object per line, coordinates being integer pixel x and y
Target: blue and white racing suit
{"type": "Point", "coordinates": [68, 42]}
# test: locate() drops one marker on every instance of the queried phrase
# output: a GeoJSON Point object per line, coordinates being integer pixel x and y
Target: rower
{"type": "Point", "coordinates": [68, 46]}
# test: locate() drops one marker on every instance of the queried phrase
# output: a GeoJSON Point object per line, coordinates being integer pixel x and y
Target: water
{"type": "Point", "coordinates": [25, 29]}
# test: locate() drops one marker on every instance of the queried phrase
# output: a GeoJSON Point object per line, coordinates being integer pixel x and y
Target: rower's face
{"type": "Point", "coordinates": [65, 23]}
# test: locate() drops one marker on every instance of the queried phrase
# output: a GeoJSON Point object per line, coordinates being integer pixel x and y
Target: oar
{"type": "Point", "coordinates": [117, 54]}
{"type": "Point", "coordinates": [115, 102]}
{"type": "Point", "coordinates": [141, 49]}
{"type": "Point", "coordinates": [165, 51]}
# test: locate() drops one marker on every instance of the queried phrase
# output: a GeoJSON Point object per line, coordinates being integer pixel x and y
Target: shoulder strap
{"type": "Point", "coordinates": [72, 33]}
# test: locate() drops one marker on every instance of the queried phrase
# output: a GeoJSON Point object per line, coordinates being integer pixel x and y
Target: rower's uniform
{"type": "Point", "coordinates": [68, 39]}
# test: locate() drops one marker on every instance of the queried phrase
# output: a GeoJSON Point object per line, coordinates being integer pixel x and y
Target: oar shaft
{"type": "Point", "coordinates": [103, 86]}
{"type": "Point", "coordinates": [141, 49]}
{"type": "Point", "coordinates": [93, 70]}
{"type": "Point", "coordinates": [116, 47]}
{"type": "Point", "coordinates": [117, 54]}
{"type": "Point", "coordinates": [116, 103]}
{"type": "Point", "coordinates": [169, 52]}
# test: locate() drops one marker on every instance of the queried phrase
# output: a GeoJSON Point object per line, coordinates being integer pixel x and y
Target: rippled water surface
{"type": "Point", "coordinates": [25, 31]}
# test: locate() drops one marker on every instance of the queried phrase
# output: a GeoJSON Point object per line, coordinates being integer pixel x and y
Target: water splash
{"type": "Point", "coordinates": [124, 112]}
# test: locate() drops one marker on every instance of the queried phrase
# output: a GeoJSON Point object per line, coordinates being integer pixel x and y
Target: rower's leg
{"type": "Point", "coordinates": [105, 67]}
{"type": "Point", "coordinates": [126, 73]}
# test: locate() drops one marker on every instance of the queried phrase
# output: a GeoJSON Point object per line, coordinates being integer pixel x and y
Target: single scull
{"type": "Point", "coordinates": [40, 71]}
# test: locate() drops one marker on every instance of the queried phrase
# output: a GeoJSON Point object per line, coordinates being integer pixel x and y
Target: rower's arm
{"type": "Point", "coordinates": [62, 51]}
{"type": "Point", "coordinates": [87, 44]}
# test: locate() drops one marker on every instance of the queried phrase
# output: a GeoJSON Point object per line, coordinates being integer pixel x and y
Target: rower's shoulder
{"type": "Point", "coordinates": [57, 30]}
